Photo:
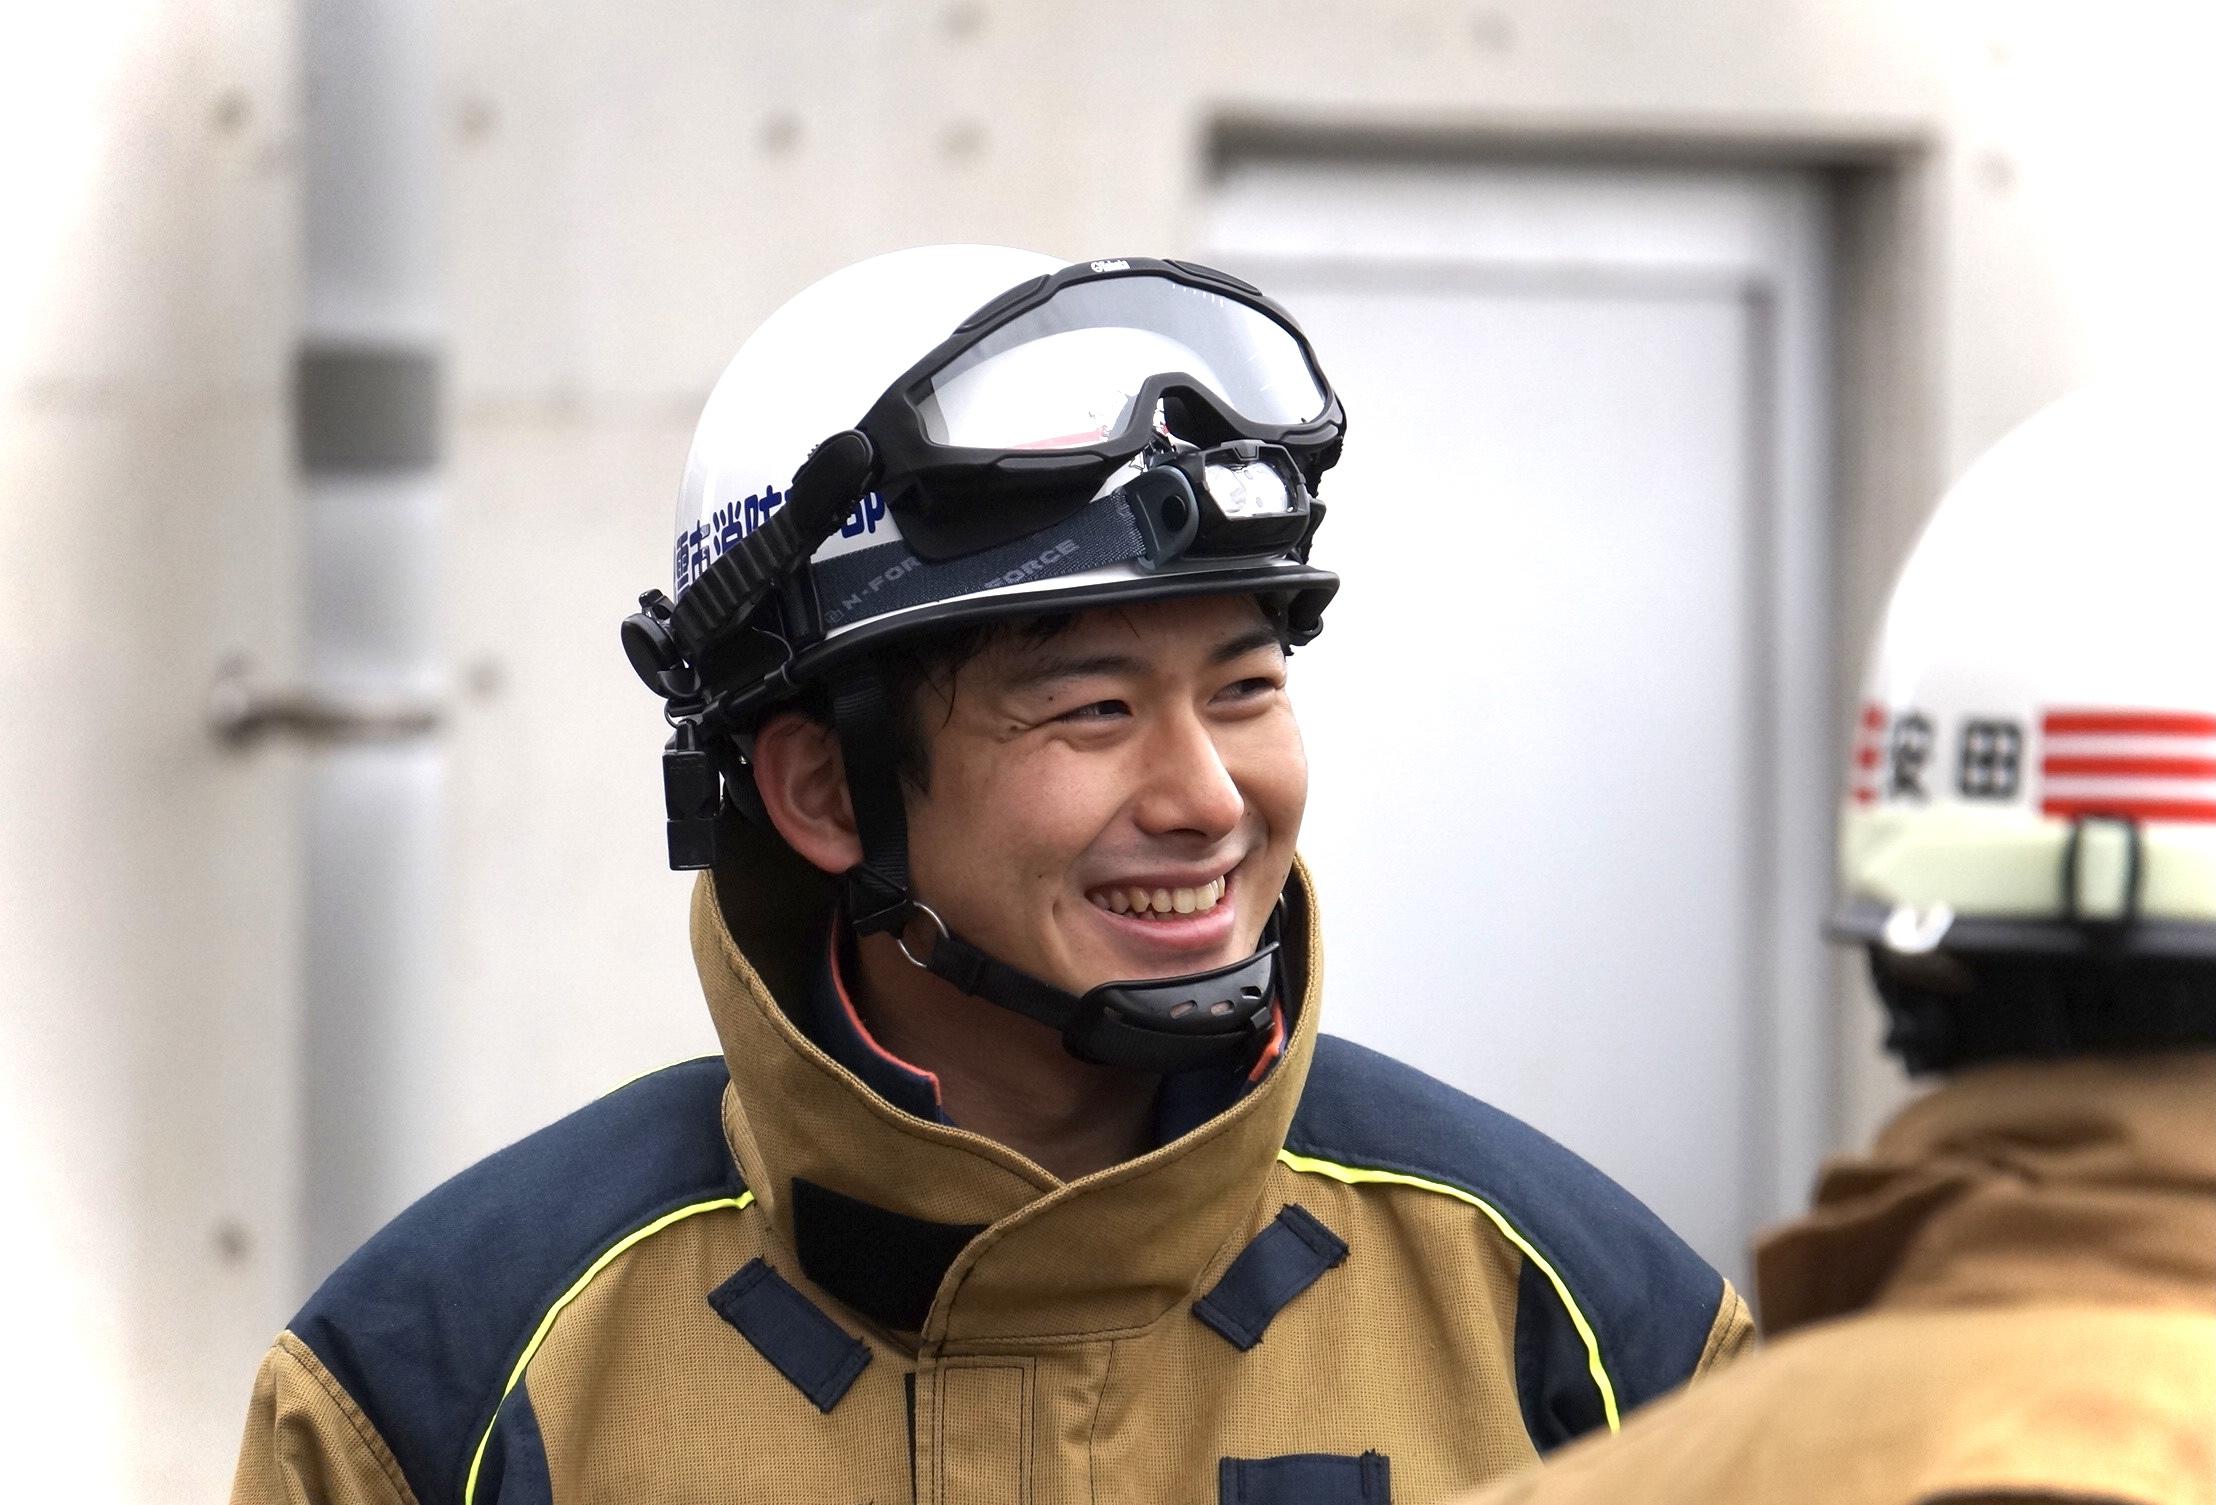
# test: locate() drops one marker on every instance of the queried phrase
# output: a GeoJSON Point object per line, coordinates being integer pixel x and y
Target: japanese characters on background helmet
{"type": "Point", "coordinates": [958, 434]}
{"type": "Point", "coordinates": [2028, 843]}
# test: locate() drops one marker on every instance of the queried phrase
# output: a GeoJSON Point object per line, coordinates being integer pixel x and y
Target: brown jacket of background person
{"type": "Point", "coordinates": [2012, 1298]}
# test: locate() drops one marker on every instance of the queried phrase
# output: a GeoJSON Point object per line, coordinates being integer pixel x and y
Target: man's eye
{"type": "Point", "coordinates": [1247, 688]}
{"type": "Point", "coordinates": [1099, 710]}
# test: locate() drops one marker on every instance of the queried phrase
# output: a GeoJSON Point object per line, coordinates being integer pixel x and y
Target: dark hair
{"type": "Point", "coordinates": [934, 660]}
{"type": "Point", "coordinates": [1947, 1011]}
{"type": "Point", "coordinates": [935, 663]}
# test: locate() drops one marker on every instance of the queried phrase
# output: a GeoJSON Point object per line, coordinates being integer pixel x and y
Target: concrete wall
{"type": "Point", "coordinates": [148, 878]}
{"type": "Point", "coordinates": [629, 188]}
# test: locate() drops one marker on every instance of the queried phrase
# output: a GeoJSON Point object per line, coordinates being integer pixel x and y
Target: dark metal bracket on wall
{"type": "Point", "coordinates": [243, 714]}
{"type": "Point", "coordinates": [359, 409]}
{"type": "Point", "coordinates": [366, 409]}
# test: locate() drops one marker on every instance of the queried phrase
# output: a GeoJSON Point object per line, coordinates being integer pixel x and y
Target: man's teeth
{"type": "Point", "coordinates": [1161, 901]}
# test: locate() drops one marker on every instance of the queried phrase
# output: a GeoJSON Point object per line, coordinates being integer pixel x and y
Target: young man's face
{"type": "Point", "coordinates": [1118, 801]}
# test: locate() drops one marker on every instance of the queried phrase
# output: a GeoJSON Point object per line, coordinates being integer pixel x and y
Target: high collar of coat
{"type": "Point", "coordinates": [2087, 1180]}
{"type": "Point", "coordinates": [1107, 1253]}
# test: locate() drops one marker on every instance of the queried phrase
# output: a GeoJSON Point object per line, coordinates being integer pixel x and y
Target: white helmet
{"type": "Point", "coordinates": [2028, 842]}
{"type": "Point", "coordinates": [1033, 437]}
{"type": "Point", "coordinates": [958, 434]}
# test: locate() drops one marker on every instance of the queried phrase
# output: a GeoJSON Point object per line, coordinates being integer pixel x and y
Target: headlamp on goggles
{"type": "Point", "coordinates": [1246, 489]}
{"type": "Point", "coordinates": [1241, 499]}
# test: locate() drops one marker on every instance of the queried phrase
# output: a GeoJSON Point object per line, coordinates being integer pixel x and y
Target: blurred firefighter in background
{"type": "Point", "coordinates": [2013, 1296]}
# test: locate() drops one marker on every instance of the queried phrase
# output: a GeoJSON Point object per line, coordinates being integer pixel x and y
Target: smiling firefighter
{"type": "Point", "coordinates": [1025, 1173]}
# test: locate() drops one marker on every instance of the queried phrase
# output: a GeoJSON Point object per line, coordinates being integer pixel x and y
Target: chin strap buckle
{"type": "Point", "coordinates": [955, 960]}
{"type": "Point", "coordinates": [1159, 1024]}
{"type": "Point", "coordinates": [1177, 1023]}
{"type": "Point", "coordinates": [875, 902]}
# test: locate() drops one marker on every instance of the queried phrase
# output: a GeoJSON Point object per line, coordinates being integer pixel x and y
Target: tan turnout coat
{"type": "Point", "coordinates": [1353, 1285]}
{"type": "Point", "coordinates": [2012, 1299]}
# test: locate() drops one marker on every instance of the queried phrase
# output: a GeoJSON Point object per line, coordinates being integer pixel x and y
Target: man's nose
{"type": "Point", "coordinates": [1187, 787]}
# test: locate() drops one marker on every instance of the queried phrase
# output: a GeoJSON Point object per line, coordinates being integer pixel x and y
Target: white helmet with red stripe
{"type": "Point", "coordinates": [2031, 801]}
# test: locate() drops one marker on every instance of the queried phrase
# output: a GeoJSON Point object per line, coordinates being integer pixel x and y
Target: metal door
{"type": "Point", "coordinates": [1566, 724]}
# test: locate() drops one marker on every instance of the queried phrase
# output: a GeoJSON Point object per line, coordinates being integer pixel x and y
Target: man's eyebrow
{"type": "Point", "coordinates": [1246, 643]}
{"type": "Point", "coordinates": [1046, 671]}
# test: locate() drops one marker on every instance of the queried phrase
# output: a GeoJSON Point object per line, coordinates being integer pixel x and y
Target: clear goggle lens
{"type": "Point", "coordinates": [1065, 374]}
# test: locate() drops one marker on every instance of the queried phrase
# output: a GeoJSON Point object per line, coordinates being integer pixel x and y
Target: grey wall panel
{"type": "Point", "coordinates": [149, 878]}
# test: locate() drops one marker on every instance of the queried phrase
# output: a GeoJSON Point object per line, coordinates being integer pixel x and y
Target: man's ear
{"type": "Point", "coordinates": [802, 781]}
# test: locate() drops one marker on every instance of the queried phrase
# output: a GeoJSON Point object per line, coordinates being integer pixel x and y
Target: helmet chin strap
{"type": "Point", "coordinates": [1161, 1024]}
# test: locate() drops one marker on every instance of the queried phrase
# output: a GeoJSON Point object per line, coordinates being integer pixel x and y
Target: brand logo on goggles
{"type": "Point", "coordinates": [850, 605]}
{"type": "Point", "coordinates": [1111, 266]}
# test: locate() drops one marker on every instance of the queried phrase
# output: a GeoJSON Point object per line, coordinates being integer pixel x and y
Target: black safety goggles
{"type": "Point", "coordinates": [1015, 421]}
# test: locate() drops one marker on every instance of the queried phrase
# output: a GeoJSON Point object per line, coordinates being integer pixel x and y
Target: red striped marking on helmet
{"type": "Point", "coordinates": [2156, 768]}
{"type": "Point", "coordinates": [1868, 756]}
{"type": "Point", "coordinates": [2180, 812]}
{"type": "Point", "coordinates": [2129, 763]}
{"type": "Point", "coordinates": [2130, 723]}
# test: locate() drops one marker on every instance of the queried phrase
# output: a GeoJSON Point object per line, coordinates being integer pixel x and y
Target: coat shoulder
{"type": "Point", "coordinates": [424, 1323]}
{"type": "Point", "coordinates": [1648, 1299]}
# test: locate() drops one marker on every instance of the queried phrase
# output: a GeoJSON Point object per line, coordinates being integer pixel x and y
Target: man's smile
{"type": "Point", "coordinates": [1160, 898]}
{"type": "Point", "coordinates": [1166, 922]}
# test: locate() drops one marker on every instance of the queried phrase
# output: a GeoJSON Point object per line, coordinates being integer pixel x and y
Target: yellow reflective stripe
{"type": "Point", "coordinates": [1355, 1175]}
{"type": "Point", "coordinates": [640, 1076]}
{"type": "Point", "coordinates": [546, 1323]}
